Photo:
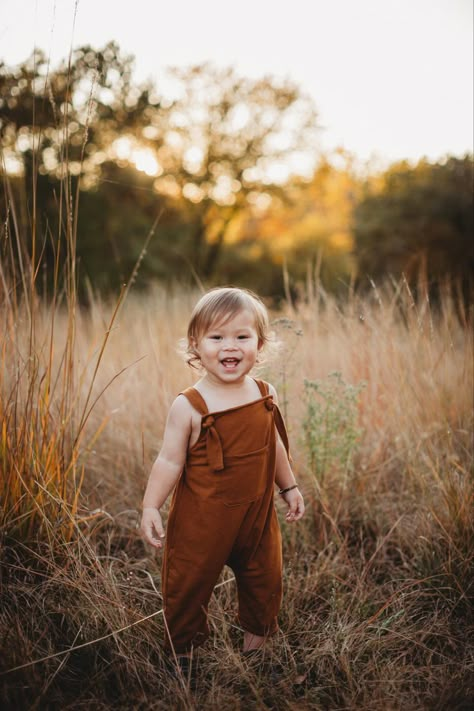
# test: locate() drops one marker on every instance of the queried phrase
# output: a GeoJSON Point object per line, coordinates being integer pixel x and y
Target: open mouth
{"type": "Point", "coordinates": [230, 363]}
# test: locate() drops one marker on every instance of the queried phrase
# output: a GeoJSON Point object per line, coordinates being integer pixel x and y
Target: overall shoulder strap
{"type": "Point", "coordinates": [277, 416]}
{"type": "Point", "coordinates": [280, 425]}
{"type": "Point", "coordinates": [215, 455]}
{"type": "Point", "coordinates": [263, 387]}
{"type": "Point", "coordinates": [196, 400]}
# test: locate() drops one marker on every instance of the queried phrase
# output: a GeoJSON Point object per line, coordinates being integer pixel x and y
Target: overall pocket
{"type": "Point", "coordinates": [244, 478]}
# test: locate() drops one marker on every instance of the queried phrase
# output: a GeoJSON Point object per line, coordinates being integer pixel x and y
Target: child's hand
{"type": "Point", "coordinates": [152, 527]}
{"type": "Point", "coordinates": [295, 505]}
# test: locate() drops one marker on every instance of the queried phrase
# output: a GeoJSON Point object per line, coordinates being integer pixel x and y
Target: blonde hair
{"type": "Point", "coordinates": [219, 306]}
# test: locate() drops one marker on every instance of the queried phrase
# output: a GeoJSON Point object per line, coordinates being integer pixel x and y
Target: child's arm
{"type": "Point", "coordinates": [284, 477]}
{"type": "Point", "coordinates": [166, 469]}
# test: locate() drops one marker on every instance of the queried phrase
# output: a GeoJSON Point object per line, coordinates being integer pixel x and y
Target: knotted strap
{"type": "Point", "coordinates": [277, 416]}
{"type": "Point", "coordinates": [215, 456]}
{"type": "Point", "coordinates": [279, 422]}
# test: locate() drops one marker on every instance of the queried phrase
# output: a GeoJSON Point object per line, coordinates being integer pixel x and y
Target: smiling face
{"type": "Point", "coordinates": [228, 350]}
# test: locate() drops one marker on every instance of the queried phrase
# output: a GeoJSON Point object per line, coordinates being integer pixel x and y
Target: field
{"type": "Point", "coordinates": [377, 614]}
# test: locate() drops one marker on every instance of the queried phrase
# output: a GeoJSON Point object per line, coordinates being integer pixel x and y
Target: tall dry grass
{"type": "Point", "coordinates": [378, 579]}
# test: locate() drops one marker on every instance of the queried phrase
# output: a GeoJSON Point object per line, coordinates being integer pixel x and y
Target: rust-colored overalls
{"type": "Point", "coordinates": [222, 512]}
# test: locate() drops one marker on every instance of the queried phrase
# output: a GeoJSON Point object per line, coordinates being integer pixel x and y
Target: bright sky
{"type": "Point", "coordinates": [391, 79]}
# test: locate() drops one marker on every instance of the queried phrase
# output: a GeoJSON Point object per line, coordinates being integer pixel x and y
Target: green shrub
{"type": "Point", "coordinates": [330, 425]}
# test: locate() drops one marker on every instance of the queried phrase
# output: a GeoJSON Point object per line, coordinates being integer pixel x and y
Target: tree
{"type": "Point", "coordinates": [311, 232]}
{"type": "Point", "coordinates": [62, 120]}
{"type": "Point", "coordinates": [225, 143]}
{"type": "Point", "coordinates": [418, 218]}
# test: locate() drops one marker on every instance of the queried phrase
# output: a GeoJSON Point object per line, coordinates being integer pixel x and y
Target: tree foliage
{"type": "Point", "coordinates": [418, 218]}
{"type": "Point", "coordinates": [226, 139]}
{"type": "Point", "coordinates": [68, 116]}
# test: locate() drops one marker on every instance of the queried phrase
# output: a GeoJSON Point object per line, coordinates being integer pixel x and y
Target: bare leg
{"type": "Point", "coordinates": [252, 641]}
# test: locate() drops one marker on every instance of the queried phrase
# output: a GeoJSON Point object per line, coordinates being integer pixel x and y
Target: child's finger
{"type": "Point", "coordinates": [158, 526]}
{"type": "Point", "coordinates": [152, 530]}
{"type": "Point", "coordinates": [150, 535]}
{"type": "Point", "coordinates": [300, 510]}
{"type": "Point", "coordinates": [157, 532]}
{"type": "Point", "coordinates": [295, 510]}
{"type": "Point", "coordinates": [156, 542]}
{"type": "Point", "coordinates": [291, 514]}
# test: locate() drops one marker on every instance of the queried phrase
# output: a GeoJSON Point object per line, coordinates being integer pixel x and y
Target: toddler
{"type": "Point", "coordinates": [224, 448]}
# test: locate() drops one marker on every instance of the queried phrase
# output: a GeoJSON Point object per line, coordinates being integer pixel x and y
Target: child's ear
{"type": "Point", "coordinates": [194, 344]}
{"type": "Point", "coordinates": [260, 344]}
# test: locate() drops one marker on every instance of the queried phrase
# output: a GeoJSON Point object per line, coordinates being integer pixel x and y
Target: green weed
{"type": "Point", "coordinates": [330, 425]}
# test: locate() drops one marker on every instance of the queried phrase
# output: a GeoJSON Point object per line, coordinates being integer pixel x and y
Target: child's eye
{"type": "Point", "coordinates": [215, 337]}
{"type": "Point", "coordinates": [243, 337]}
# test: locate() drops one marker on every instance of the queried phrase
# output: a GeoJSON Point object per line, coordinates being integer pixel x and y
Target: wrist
{"type": "Point", "coordinates": [286, 489]}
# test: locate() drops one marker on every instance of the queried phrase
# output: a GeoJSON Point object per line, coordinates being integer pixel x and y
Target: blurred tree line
{"type": "Point", "coordinates": [217, 159]}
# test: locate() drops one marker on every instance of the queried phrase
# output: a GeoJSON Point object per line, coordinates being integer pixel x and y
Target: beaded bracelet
{"type": "Point", "coordinates": [288, 488]}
